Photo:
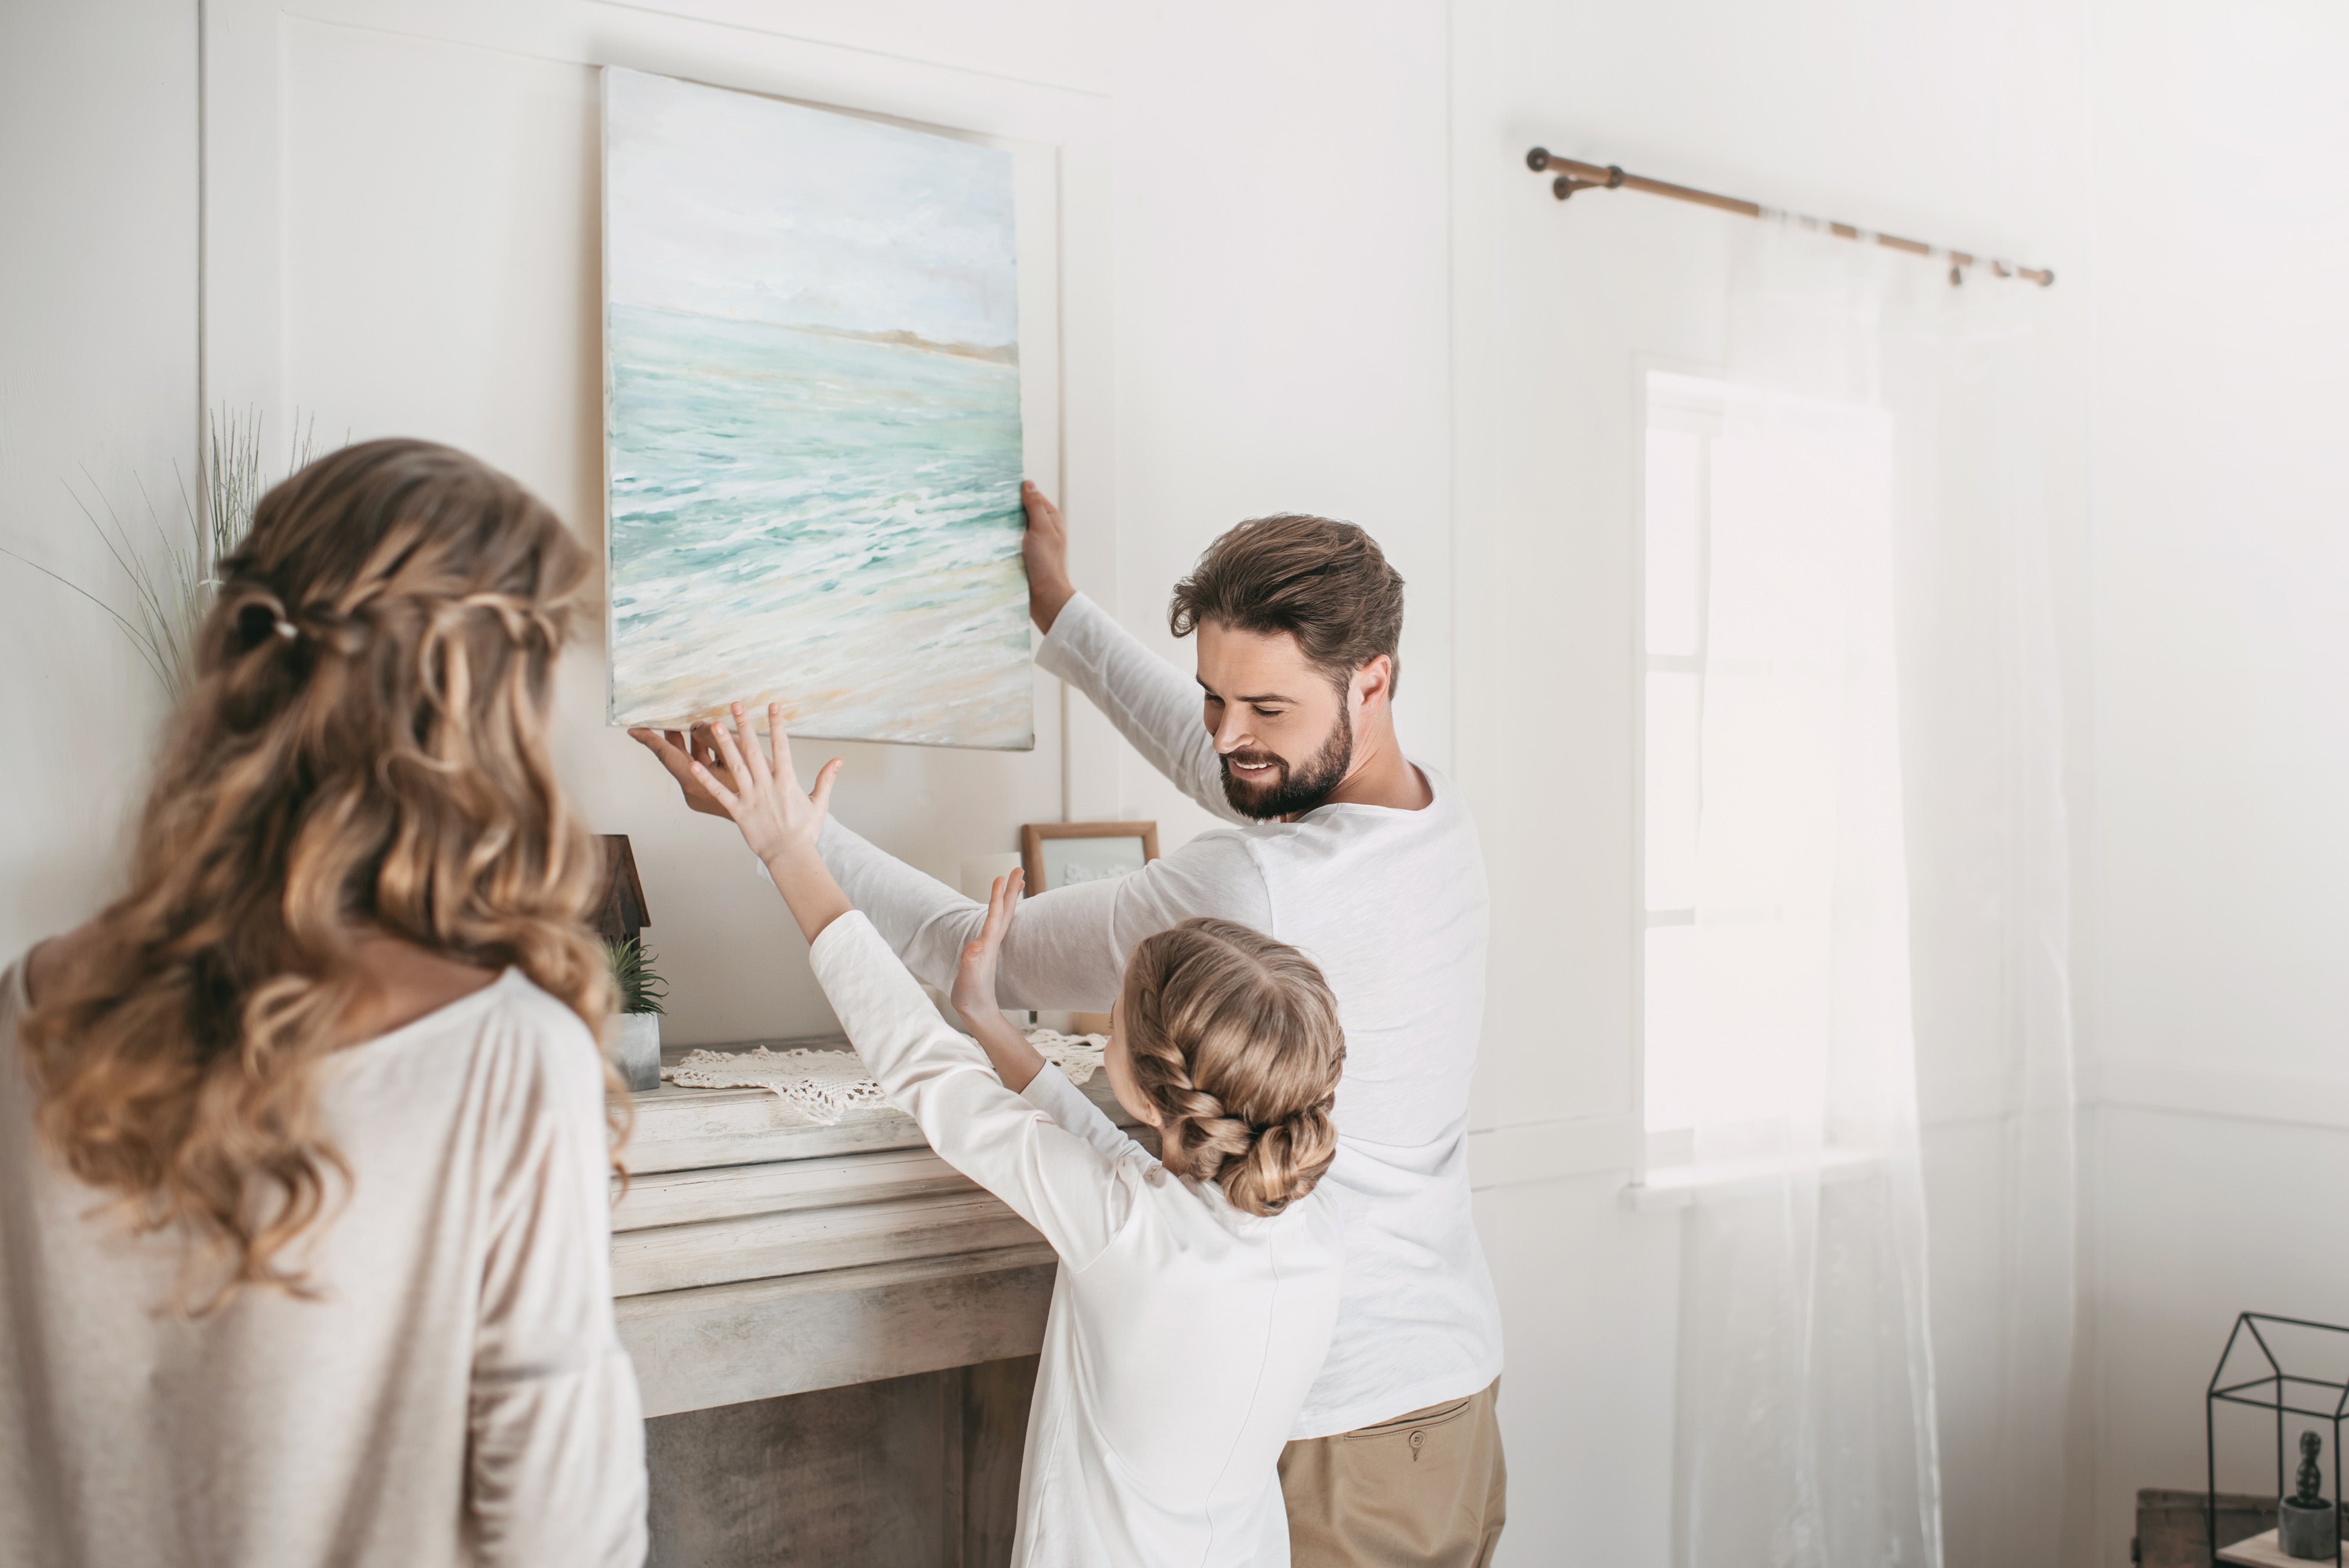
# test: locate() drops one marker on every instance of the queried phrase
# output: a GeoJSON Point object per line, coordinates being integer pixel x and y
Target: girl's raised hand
{"type": "Point", "coordinates": [974, 983]}
{"type": "Point", "coordinates": [777, 817]}
{"type": "Point", "coordinates": [1015, 1060]}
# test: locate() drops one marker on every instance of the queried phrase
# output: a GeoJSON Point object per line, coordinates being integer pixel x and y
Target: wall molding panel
{"type": "Point", "coordinates": [2228, 1093]}
{"type": "Point", "coordinates": [400, 236]}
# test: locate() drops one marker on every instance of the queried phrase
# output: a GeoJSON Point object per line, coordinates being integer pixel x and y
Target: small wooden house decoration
{"type": "Point", "coordinates": [621, 916]}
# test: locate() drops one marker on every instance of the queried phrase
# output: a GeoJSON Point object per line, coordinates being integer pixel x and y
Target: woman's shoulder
{"type": "Point", "coordinates": [532, 1016]}
{"type": "Point", "coordinates": [511, 1011]}
{"type": "Point", "coordinates": [520, 1047]}
{"type": "Point", "coordinates": [544, 1040]}
{"type": "Point", "coordinates": [521, 1019]}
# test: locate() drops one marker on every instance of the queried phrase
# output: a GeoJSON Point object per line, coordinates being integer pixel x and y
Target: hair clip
{"type": "Point", "coordinates": [256, 620]}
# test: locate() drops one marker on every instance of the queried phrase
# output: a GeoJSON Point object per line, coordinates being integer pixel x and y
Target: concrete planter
{"type": "Point", "coordinates": [635, 1038]}
{"type": "Point", "coordinates": [2309, 1533]}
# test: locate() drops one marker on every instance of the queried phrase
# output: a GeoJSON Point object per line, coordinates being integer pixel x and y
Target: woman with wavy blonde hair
{"type": "Point", "coordinates": [1198, 1287]}
{"type": "Point", "coordinates": [304, 1231]}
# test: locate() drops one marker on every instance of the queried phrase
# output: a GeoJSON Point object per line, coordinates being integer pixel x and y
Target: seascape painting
{"type": "Point", "coordinates": [812, 421]}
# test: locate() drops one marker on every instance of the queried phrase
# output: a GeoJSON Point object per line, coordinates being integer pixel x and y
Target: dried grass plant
{"type": "Point", "coordinates": [171, 578]}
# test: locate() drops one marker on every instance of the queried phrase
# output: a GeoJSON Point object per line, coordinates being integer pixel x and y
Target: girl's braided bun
{"type": "Point", "coordinates": [1234, 1039]}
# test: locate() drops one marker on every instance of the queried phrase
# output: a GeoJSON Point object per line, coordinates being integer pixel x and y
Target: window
{"type": "Point", "coordinates": [1768, 740]}
{"type": "Point", "coordinates": [1683, 420]}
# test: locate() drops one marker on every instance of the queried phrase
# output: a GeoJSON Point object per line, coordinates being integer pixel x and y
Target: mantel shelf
{"type": "Point", "coordinates": [757, 1251]}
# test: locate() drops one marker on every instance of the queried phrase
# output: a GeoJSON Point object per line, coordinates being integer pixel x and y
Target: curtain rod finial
{"type": "Point", "coordinates": [1538, 159]}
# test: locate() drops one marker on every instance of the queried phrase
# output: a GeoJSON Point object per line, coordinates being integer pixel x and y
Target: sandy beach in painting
{"type": "Point", "coordinates": [812, 423]}
{"type": "Point", "coordinates": [819, 520]}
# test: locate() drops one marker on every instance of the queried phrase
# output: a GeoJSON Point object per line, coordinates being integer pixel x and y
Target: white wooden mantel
{"type": "Point", "coordinates": [753, 1255]}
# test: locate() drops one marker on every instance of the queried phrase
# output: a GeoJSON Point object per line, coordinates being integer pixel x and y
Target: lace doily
{"type": "Point", "coordinates": [827, 1086]}
{"type": "Point", "coordinates": [1078, 1056]}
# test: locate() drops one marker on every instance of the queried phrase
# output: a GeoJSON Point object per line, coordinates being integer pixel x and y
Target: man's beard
{"type": "Point", "coordinates": [1292, 794]}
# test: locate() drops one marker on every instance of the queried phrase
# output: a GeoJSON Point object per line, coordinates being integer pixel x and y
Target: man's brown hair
{"type": "Point", "coordinates": [1324, 583]}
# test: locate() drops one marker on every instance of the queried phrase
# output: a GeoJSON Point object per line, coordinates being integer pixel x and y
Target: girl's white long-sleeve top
{"type": "Point", "coordinates": [1183, 1332]}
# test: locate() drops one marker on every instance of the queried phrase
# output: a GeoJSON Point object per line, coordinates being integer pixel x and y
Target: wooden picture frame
{"type": "Point", "coordinates": [1033, 836]}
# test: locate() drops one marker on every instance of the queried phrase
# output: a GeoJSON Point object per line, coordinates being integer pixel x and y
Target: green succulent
{"type": "Point", "coordinates": [639, 984]}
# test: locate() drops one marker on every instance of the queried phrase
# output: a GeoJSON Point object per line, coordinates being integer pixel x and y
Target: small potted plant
{"type": "Point", "coordinates": [636, 1025]}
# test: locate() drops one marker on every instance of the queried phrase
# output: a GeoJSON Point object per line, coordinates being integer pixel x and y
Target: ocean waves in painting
{"type": "Point", "coordinates": [825, 519]}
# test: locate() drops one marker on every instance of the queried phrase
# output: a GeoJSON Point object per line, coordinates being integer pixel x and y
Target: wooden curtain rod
{"type": "Point", "coordinates": [1580, 176]}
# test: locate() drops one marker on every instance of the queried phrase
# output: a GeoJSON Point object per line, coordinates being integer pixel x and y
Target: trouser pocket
{"type": "Point", "coordinates": [1434, 1416]}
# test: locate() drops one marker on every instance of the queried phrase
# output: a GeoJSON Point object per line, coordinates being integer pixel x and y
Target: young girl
{"type": "Point", "coordinates": [305, 1226]}
{"type": "Point", "coordinates": [1196, 1291]}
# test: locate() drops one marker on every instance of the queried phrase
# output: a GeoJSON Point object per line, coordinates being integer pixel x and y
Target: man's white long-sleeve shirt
{"type": "Point", "coordinates": [1391, 905]}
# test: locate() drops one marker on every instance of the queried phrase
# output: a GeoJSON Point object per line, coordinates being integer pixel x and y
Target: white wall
{"type": "Point", "coordinates": [1282, 308]}
{"type": "Point", "coordinates": [2221, 211]}
{"type": "Point", "coordinates": [98, 394]}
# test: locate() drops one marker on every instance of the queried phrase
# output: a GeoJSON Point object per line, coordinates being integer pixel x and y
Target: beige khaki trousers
{"type": "Point", "coordinates": [1424, 1490]}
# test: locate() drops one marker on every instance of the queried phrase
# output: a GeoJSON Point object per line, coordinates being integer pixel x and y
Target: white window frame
{"type": "Point", "coordinates": [1689, 409]}
{"type": "Point", "coordinates": [1664, 1173]}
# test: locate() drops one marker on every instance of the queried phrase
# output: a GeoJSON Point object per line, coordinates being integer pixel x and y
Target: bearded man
{"type": "Point", "coordinates": [1370, 864]}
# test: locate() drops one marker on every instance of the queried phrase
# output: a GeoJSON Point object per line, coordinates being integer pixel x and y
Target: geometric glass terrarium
{"type": "Point", "coordinates": [2299, 1372]}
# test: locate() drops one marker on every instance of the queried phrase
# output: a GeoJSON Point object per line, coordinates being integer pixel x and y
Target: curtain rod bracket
{"type": "Point", "coordinates": [1566, 185]}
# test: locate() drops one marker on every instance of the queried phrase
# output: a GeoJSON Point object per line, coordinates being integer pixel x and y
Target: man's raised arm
{"type": "Point", "coordinates": [1066, 949]}
{"type": "Point", "coordinates": [1155, 706]}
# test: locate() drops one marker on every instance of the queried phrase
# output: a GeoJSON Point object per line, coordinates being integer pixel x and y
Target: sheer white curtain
{"type": "Point", "coordinates": [1880, 872]}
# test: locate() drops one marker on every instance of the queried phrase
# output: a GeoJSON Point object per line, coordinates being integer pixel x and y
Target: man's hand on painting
{"type": "Point", "coordinates": [679, 750]}
{"type": "Point", "coordinates": [1045, 546]}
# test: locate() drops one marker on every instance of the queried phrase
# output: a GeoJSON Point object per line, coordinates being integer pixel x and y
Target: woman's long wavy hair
{"type": "Point", "coordinates": [363, 750]}
{"type": "Point", "coordinates": [1234, 1039]}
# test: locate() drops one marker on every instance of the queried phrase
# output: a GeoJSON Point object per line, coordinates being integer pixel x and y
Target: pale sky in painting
{"type": "Point", "coordinates": [729, 204]}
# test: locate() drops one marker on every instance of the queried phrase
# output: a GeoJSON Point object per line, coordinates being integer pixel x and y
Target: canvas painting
{"type": "Point", "coordinates": [812, 421]}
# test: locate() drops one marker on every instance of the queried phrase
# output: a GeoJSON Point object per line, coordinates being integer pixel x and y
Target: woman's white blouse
{"type": "Point", "coordinates": [454, 1392]}
{"type": "Point", "coordinates": [1184, 1333]}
